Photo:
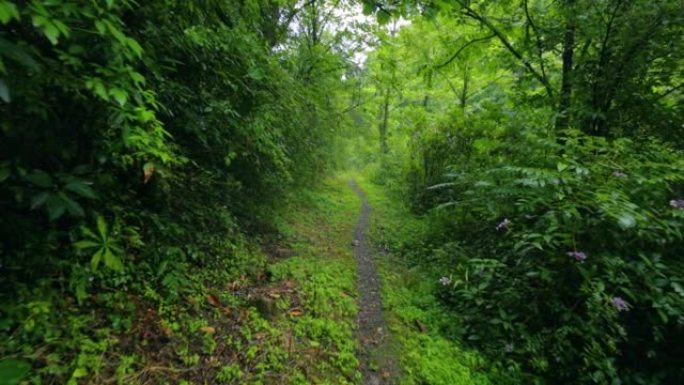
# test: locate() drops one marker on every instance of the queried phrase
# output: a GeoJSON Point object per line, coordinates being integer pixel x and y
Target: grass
{"type": "Point", "coordinates": [318, 226]}
{"type": "Point", "coordinates": [251, 316]}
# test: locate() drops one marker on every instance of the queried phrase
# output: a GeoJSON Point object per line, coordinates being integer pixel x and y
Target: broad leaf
{"type": "Point", "coordinates": [13, 370]}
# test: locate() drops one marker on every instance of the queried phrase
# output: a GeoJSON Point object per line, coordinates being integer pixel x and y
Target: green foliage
{"type": "Point", "coordinates": [161, 139]}
{"type": "Point", "coordinates": [106, 248]}
{"type": "Point", "coordinates": [552, 235]}
{"type": "Point", "coordinates": [140, 143]}
{"type": "Point", "coordinates": [13, 371]}
{"type": "Point", "coordinates": [537, 140]}
{"type": "Point", "coordinates": [427, 333]}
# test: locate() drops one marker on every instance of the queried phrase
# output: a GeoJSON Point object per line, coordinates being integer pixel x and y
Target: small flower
{"type": "Point", "coordinates": [677, 204]}
{"type": "Point", "coordinates": [445, 281]}
{"type": "Point", "coordinates": [620, 304]}
{"type": "Point", "coordinates": [503, 225]}
{"type": "Point", "coordinates": [619, 174]}
{"type": "Point", "coordinates": [580, 256]}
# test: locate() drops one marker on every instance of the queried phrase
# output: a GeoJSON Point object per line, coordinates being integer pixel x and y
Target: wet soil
{"type": "Point", "coordinates": [375, 346]}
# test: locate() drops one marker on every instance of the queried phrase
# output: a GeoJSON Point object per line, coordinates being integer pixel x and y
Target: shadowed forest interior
{"type": "Point", "coordinates": [176, 206]}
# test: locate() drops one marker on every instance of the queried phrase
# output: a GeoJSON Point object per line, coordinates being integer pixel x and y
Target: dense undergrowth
{"type": "Point", "coordinates": [144, 147]}
{"type": "Point", "coordinates": [536, 139]}
{"type": "Point", "coordinates": [160, 222]}
{"type": "Point", "coordinates": [547, 253]}
{"type": "Point", "coordinates": [427, 333]}
{"type": "Point", "coordinates": [285, 317]}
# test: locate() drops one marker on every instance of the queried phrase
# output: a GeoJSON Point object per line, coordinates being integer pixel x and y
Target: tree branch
{"type": "Point", "coordinates": [671, 90]}
{"type": "Point", "coordinates": [540, 49]}
{"type": "Point", "coordinates": [462, 48]}
{"type": "Point", "coordinates": [467, 11]}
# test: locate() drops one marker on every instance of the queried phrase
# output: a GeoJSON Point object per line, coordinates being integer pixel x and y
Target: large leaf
{"type": "Point", "coordinates": [81, 188]}
{"type": "Point", "coordinates": [112, 261]}
{"type": "Point", "coordinates": [86, 244]}
{"type": "Point", "coordinates": [383, 17]}
{"type": "Point", "coordinates": [4, 92]}
{"type": "Point", "coordinates": [55, 207]}
{"type": "Point", "coordinates": [40, 178]}
{"type": "Point", "coordinates": [5, 172]}
{"type": "Point", "coordinates": [8, 11]}
{"type": "Point", "coordinates": [13, 370]}
{"type": "Point", "coordinates": [39, 199]}
{"type": "Point", "coordinates": [71, 205]}
{"type": "Point", "coordinates": [102, 227]}
{"type": "Point", "coordinates": [96, 258]}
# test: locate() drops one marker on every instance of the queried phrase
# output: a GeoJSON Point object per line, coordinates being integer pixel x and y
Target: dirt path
{"type": "Point", "coordinates": [377, 364]}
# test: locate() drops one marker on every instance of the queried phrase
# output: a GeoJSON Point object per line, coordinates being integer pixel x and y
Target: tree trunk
{"type": "Point", "coordinates": [383, 124]}
{"type": "Point", "coordinates": [563, 119]}
{"type": "Point", "coordinates": [464, 91]}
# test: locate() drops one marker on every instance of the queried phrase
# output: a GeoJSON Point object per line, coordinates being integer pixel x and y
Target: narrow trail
{"type": "Point", "coordinates": [377, 364]}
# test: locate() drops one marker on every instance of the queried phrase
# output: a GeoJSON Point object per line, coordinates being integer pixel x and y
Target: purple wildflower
{"type": "Point", "coordinates": [619, 174]}
{"type": "Point", "coordinates": [445, 281]}
{"type": "Point", "coordinates": [677, 204]}
{"type": "Point", "coordinates": [620, 304]}
{"type": "Point", "coordinates": [503, 225]}
{"type": "Point", "coordinates": [580, 256]}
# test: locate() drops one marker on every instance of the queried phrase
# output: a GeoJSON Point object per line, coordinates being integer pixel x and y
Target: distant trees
{"type": "Point", "coordinates": [585, 54]}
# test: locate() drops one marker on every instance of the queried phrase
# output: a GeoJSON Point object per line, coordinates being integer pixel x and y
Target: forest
{"type": "Point", "coordinates": [415, 192]}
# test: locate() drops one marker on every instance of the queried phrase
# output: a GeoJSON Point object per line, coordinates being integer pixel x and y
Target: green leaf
{"type": "Point", "coordinates": [102, 227]}
{"type": "Point", "coordinates": [96, 258]}
{"type": "Point", "coordinates": [137, 78]}
{"type": "Point", "coordinates": [626, 221]}
{"type": "Point", "coordinates": [81, 169]}
{"type": "Point", "coordinates": [81, 188]}
{"type": "Point", "coordinates": [80, 291]}
{"type": "Point", "coordinates": [19, 54]}
{"type": "Point", "coordinates": [135, 47]}
{"type": "Point", "coordinates": [112, 261]}
{"type": "Point", "coordinates": [8, 11]}
{"type": "Point", "coordinates": [39, 199]}
{"type": "Point", "coordinates": [89, 233]}
{"type": "Point", "coordinates": [256, 73]}
{"type": "Point", "coordinates": [383, 17]}
{"type": "Point", "coordinates": [71, 205]}
{"type": "Point", "coordinates": [119, 95]}
{"type": "Point", "coordinates": [51, 32]}
{"type": "Point", "coordinates": [115, 31]}
{"type": "Point", "coordinates": [368, 8]}
{"type": "Point", "coordinates": [63, 29]}
{"type": "Point", "coordinates": [13, 370]}
{"type": "Point", "coordinates": [5, 172]}
{"type": "Point", "coordinates": [561, 166]}
{"type": "Point", "coordinates": [96, 85]}
{"type": "Point", "coordinates": [40, 178]}
{"type": "Point", "coordinates": [79, 373]}
{"type": "Point", "coordinates": [85, 244]}
{"type": "Point", "coordinates": [55, 207]}
{"type": "Point", "coordinates": [4, 92]}
{"type": "Point", "coordinates": [100, 26]}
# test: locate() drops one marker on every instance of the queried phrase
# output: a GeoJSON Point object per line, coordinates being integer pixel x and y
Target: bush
{"type": "Point", "coordinates": [565, 255]}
